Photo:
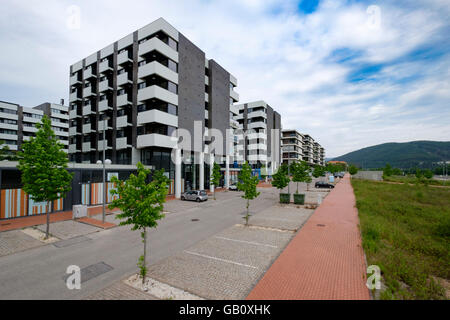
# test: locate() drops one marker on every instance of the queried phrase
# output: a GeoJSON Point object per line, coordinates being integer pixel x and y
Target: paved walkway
{"type": "Point", "coordinates": [325, 260]}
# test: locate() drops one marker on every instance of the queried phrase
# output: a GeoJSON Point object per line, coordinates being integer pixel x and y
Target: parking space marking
{"type": "Point", "coordinates": [249, 242]}
{"type": "Point", "coordinates": [219, 259]}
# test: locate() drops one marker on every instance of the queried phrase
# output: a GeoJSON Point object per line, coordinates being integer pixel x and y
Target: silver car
{"type": "Point", "coordinates": [195, 195]}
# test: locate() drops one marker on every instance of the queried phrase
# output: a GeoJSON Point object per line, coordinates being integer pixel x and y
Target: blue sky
{"type": "Point", "coordinates": [350, 73]}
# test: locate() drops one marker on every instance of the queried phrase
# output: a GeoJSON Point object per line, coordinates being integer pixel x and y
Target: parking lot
{"type": "Point", "coordinates": [229, 264]}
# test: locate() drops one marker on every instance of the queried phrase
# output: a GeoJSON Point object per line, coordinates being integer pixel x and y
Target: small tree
{"type": "Point", "coordinates": [248, 184]}
{"type": "Point", "coordinates": [141, 204]}
{"type": "Point", "coordinates": [280, 179]}
{"type": "Point", "coordinates": [43, 164]}
{"type": "Point", "coordinates": [418, 173]}
{"type": "Point", "coordinates": [318, 171]}
{"type": "Point", "coordinates": [387, 171]}
{"type": "Point", "coordinates": [352, 169]}
{"type": "Point", "coordinates": [215, 177]}
{"type": "Point", "coordinates": [300, 173]}
{"type": "Point", "coordinates": [428, 174]}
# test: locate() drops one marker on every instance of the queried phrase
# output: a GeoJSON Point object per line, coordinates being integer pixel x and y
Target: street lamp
{"type": "Point", "coordinates": [104, 162]}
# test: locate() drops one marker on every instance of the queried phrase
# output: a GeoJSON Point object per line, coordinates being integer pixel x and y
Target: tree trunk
{"type": "Point", "coordinates": [297, 187]}
{"type": "Point", "coordinates": [214, 192]}
{"type": "Point", "coordinates": [47, 232]}
{"type": "Point", "coordinates": [246, 220]}
{"type": "Point", "coordinates": [145, 254]}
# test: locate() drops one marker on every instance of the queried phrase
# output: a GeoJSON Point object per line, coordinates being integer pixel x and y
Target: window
{"type": "Point", "coordinates": [9, 111]}
{"type": "Point", "coordinates": [141, 63]}
{"type": "Point", "coordinates": [141, 85]}
{"type": "Point", "coordinates": [121, 92]}
{"type": "Point", "coordinates": [6, 131]}
{"type": "Point", "coordinates": [103, 97]}
{"type": "Point", "coordinates": [120, 71]}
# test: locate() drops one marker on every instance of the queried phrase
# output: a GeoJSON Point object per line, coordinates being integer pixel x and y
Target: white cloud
{"type": "Point", "coordinates": [277, 54]}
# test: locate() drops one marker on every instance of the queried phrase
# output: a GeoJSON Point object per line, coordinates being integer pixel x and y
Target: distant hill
{"type": "Point", "coordinates": [421, 154]}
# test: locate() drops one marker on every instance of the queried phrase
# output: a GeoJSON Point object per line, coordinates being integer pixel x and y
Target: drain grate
{"type": "Point", "coordinates": [92, 271]}
{"type": "Point", "coordinates": [195, 220]}
{"type": "Point", "coordinates": [320, 225]}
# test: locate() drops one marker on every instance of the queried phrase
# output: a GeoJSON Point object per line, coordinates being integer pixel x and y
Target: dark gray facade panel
{"type": "Point", "coordinates": [191, 88]}
{"type": "Point", "coordinates": [269, 129]}
{"type": "Point", "coordinates": [134, 90]}
{"type": "Point", "coordinates": [277, 125]}
{"type": "Point", "coordinates": [219, 98]}
{"type": "Point", "coordinates": [114, 105]}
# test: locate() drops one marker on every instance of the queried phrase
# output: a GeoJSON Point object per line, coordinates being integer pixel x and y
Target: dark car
{"type": "Point", "coordinates": [195, 195]}
{"type": "Point", "coordinates": [322, 184]}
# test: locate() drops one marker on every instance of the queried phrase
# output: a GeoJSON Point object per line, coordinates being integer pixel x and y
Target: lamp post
{"type": "Point", "coordinates": [104, 162]}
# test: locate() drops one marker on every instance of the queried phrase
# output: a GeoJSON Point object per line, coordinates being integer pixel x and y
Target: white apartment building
{"type": "Point", "coordinates": [18, 123]}
{"type": "Point", "coordinates": [301, 147]}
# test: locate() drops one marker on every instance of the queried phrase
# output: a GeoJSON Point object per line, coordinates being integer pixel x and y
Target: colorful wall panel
{"type": "Point", "coordinates": [13, 203]}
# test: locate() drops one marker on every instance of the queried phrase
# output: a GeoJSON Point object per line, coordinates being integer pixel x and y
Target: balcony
{"type": "Point", "coordinates": [87, 110]}
{"type": "Point", "coordinates": [159, 69]}
{"type": "Point", "coordinates": [73, 131]}
{"type": "Point", "coordinates": [121, 143]}
{"type": "Point", "coordinates": [87, 128]}
{"type": "Point", "coordinates": [103, 125]}
{"type": "Point", "coordinates": [122, 121]}
{"type": "Point", "coordinates": [123, 58]}
{"type": "Point", "coordinates": [159, 93]}
{"type": "Point", "coordinates": [103, 144]}
{"type": "Point", "coordinates": [123, 101]}
{"type": "Point", "coordinates": [158, 45]}
{"type": "Point", "coordinates": [73, 148]}
{"type": "Point", "coordinates": [206, 97]}
{"type": "Point", "coordinates": [258, 124]}
{"type": "Point", "coordinates": [105, 66]}
{"type": "Point", "coordinates": [73, 114]}
{"type": "Point", "coordinates": [156, 140]}
{"type": "Point", "coordinates": [104, 86]}
{"type": "Point", "coordinates": [88, 91]}
{"type": "Point", "coordinates": [157, 116]}
{"type": "Point", "coordinates": [74, 80]}
{"type": "Point", "coordinates": [234, 95]}
{"type": "Point", "coordinates": [86, 147]}
{"type": "Point", "coordinates": [123, 79]}
{"type": "Point", "coordinates": [256, 114]}
{"type": "Point", "coordinates": [88, 73]}
{"type": "Point", "coordinates": [74, 96]}
{"type": "Point", "coordinates": [104, 105]}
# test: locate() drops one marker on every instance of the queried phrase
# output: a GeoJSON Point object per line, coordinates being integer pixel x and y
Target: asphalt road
{"type": "Point", "coordinates": [39, 273]}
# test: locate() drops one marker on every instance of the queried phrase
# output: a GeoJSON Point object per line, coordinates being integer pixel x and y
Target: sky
{"type": "Point", "coordinates": [350, 73]}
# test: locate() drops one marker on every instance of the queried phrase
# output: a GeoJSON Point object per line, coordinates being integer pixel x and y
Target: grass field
{"type": "Point", "coordinates": [413, 179]}
{"type": "Point", "coordinates": [406, 232]}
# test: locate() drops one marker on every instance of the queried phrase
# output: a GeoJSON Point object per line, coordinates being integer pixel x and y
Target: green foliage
{"type": "Point", "coordinates": [248, 184]}
{"type": "Point", "coordinates": [141, 203]}
{"type": "Point", "coordinates": [7, 154]}
{"type": "Point", "coordinates": [406, 231]}
{"type": "Point", "coordinates": [352, 169]}
{"type": "Point", "coordinates": [333, 168]}
{"type": "Point", "coordinates": [285, 197]}
{"type": "Point", "coordinates": [142, 266]}
{"type": "Point", "coordinates": [418, 173]}
{"type": "Point", "coordinates": [300, 172]}
{"type": "Point", "coordinates": [387, 171]}
{"type": "Point", "coordinates": [428, 174]}
{"type": "Point", "coordinates": [280, 179]}
{"type": "Point", "coordinates": [318, 171]}
{"type": "Point", "coordinates": [397, 172]}
{"type": "Point", "coordinates": [43, 164]}
{"type": "Point", "coordinates": [215, 177]}
{"type": "Point", "coordinates": [263, 172]}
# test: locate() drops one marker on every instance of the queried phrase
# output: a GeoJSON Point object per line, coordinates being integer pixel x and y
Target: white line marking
{"type": "Point", "coordinates": [219, 259]}
{"type": "Point", "coordinates": [249, 242]}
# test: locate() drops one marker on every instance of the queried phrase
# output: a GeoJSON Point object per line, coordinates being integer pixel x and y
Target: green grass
{"type": "Point", "coordinates": [406, 232]}
{"type": "Point", "coordinates": [413, 179]}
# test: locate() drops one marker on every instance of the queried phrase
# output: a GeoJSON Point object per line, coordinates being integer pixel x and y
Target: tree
{"type": "Point", "coordinates": [215, 177]}
{"type": "Point", "coordinates": [43, 164]}
{"type": "Point", "coordinates": [318, 171]}
{"type": "Point", "coordinates": [428, 174]}
{"type": "Point", "coordinates": [418, 173]}
{"type": "Point", "coordinates": [248, 184]}
{"type": "Point", "coordinates": [387, 171]}
{"type": "Point", "coordinates": [141, 204]}
{"type": "Point", "coordinates": [280, 179]}
{"type": "Point", "coordinates": [352, 169]}
{"type": "Point", "coordinates": [300, 172]}
{"type": "Point", "coordinates": [397, 172]}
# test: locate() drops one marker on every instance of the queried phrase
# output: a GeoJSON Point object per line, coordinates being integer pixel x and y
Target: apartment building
{"type": "Point", "coordinates": [259, 135]}
{"type": "Point", "coordinates": [301, 147]}
{"type": "Point", "coordinates": [131, 96]}
{"type": "Point", "coordinates": [18, 123]}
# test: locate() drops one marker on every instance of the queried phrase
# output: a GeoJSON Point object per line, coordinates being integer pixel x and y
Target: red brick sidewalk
{"type": "Point", "coordinates": [325, 260]}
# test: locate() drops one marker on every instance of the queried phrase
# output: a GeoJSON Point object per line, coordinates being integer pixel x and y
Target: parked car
{"type": "Point", "coordinates": [339, 174]}
{"type": "Point", "coordinates": [233, 187]}
{"type": "Point", "coordinates": [195, 195]}
{"type": "Point", "coordinates": [322, 184]}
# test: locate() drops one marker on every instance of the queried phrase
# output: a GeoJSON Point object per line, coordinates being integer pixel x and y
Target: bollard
{"type": "Point", "coordinates": [319, 199]}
